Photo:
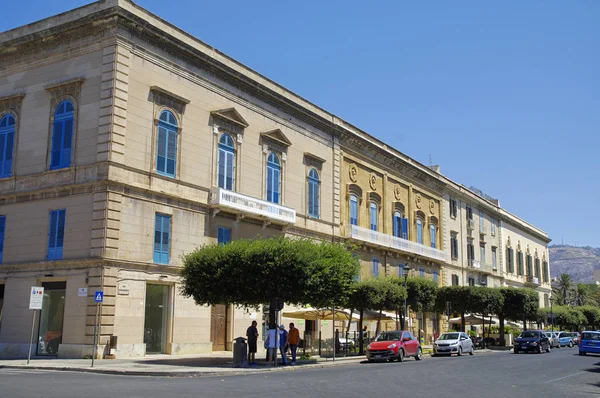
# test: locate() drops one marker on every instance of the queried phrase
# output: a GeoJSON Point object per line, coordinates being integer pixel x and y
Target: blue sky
{"type": "Point", "coordinates": [505, 96]}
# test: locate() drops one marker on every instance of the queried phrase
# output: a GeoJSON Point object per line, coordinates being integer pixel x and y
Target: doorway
{"type": "Point", "coordinates": [51, 318]}
{"type": "Point", "coordinates": [155, 318]}
{"type": "Point", "coordinates": [218, 327]}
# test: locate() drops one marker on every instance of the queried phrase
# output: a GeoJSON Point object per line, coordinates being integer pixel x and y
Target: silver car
{"type": "Point", "coordinates": [553, 337]}
{"type": "Point", "coordinates": [453, 343]}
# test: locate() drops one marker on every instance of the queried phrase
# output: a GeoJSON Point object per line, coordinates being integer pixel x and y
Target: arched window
{"type": "Point", "coordinates": [353, 209]}
{"type": "Point", "coordinates": [226, 161]}
{"type": "Point", "coordinates": [375, 266]}
{"type": "Point", "coordinates": [397, 219]}
{"type": "Point", "coordinates": [422, 272]}
{"type": "Point", "coordinates": [7, 139]}
{"type": "Point", "coordinates": [273, 178]}
{"type": "Point", "coordinates": [166, 154]}
{"type": "Point", "coordinates": [373, 215]}
{"type": "Point", "coordinates": [419, 231]}
{"type": "Point", "coordinates": [62, 136]}
{"type": "Point", "coordinates": [313, 193]}
{"type": "Point", "coordinates": [433, 235]}
{"type": "Point", "coordinates": [436, 277]}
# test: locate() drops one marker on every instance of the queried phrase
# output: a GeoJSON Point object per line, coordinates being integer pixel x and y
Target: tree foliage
{"type": "Point", "coordinates": [421, 293]}
{"type": "Point", "coordinates": [568, 318]}
{"type": "Point", "coordinates": [485, 301]}
{"type": "Point", "coordinates": [252, 272]}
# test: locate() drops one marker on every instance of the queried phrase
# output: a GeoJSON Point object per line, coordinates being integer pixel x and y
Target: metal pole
{"type": "Point", "coordinates": [551, 315]}
{"type": "Point", "coordinates": [334, 334]}
{"type": "Point", "coordinates": [31, 336]}
{"type": "Point", "coordinates": [95, 329]}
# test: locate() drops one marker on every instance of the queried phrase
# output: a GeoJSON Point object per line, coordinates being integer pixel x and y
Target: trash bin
{"type": "Point", "coordinates": [240, 351]}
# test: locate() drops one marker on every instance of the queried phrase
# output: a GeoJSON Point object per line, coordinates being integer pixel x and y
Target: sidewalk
{"type": "Point", "coordinates": [212, 364]}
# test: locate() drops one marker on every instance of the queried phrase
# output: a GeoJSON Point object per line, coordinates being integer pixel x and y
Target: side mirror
{"type": "Point", "coordinates": [406, 339]}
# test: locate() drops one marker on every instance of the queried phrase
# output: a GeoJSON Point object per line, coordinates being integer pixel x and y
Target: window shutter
{"type": "Point", "coordinates": [2, 230]}
{"type": "Point", "coordinates": [65, 155]}
{"type": "Point", "coordinates": [57, 133]}
{"type": "Point", "coordinates": [171, 152]}
{"type": "Point", "coordinates": [161, 152]}
{"type": "Point", "coordinates": [405, 228]}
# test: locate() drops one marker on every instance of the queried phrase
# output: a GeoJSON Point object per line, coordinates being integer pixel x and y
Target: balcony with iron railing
{"type": "Point", "coordinates": [248, 206]}
{"type": "Point", "coordinates": [393, 242]}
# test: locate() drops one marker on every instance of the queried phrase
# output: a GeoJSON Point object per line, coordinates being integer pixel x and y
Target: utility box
{"type": "Point", "coordinates": [240, 353]}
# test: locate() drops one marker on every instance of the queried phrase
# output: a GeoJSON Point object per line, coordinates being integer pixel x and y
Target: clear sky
{"type": "Point", "coordinates": [503, 96]}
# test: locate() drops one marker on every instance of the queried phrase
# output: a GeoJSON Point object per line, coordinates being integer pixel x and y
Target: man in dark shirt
{"type": "Point", "coordinates": [252, 334]}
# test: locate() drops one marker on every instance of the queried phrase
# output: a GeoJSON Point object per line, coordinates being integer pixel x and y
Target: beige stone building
{"type": "Point", "coordinates": [128, 143]}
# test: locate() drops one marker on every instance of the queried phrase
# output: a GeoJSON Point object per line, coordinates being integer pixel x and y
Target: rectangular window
{"type": "Point", "coordinates": [493, 232]}
{"type": "Point", "coordinates": [469, 213]}
{"type": "Point", "coordinates": [2, 231]}
{"type": "Point", "coordinates": [373, 213]}
{"type": "Point", "coordinates": [420, 232]}
{"type": "Point", "coordinates": [510, 260]}
{"type": "Point", "coordinates": [481, 221]}
{"type": "Point", "coordinates": [162, 238]}
{"type": "Point", "coordinates": [453, 208]}
{"type": "Point", "coordinates": [537, 268]}
{"type": "Point", "coordinates": [56, 234]}
{"type": "Point", "coordinates": [482, 254]}
{"type": "Point", "coordinates": [397, 227]}
{"type": "Point", "coordinates": [520, 270]}
{"type": "Point", "coordinates": [529, 266]}
{"type": "Point", "coordinates": [455, 280]}
{"type": "Point", "coordinates": [353, 210]}
{"type": "Point", "coordinates": [7, 138]}
{"type": "Point", "coordinates": [454, 246]}
{"type": "Point", "coordinates": [223, 235]}
{"type": "Point", "coordinates": [494, 258]}
{"type": "Point", "coordinates": [471, 281]}
{"type": "Point", "coordinates": [546, 271]}
{"type": "Point", "coordinates": [433, 235]}
{"type": "Point", "coordinates": [1, 303]}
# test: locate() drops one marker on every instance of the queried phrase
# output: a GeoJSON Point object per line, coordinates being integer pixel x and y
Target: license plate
{"type": "Point", "coordinates": [376, 356]}
{"type": "Point", "coordinates": [442, 349]}
{"type": "Point", "coordinates": [524, 346]}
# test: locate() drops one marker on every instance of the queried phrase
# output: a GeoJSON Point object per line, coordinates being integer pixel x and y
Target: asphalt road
{"type": "Point", "coordinates": [557, 374]}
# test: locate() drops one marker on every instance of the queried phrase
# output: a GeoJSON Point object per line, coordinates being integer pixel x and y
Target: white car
{"type": "Point", "coordinates": [453, 343]}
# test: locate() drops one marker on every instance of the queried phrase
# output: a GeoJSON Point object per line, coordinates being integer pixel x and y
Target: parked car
{"type": "Point", "coordinates": [565, 339]}
{"type": "Point", "coordinates": [532, 340]}
{"type": "Point", "coordinates": [590, 342]}
{"type": "Point", "coordinates": [397, 345]}
{"type": "Point", "coordinates": [553, 336]}
{"type": "Point", "coordinates": [576, 337]}
{"type": "Point", "coordinates": [345, 344]}
{"type": "Point", "coordinates": [453, 343]}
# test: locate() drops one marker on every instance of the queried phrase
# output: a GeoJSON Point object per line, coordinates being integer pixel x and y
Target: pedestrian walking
{"type": "Point", "coordinates": [293, 339]}
{"type": "Point", "coordinates": [252, 334]}
{"type": "Point", "coordinates": [283, 343]}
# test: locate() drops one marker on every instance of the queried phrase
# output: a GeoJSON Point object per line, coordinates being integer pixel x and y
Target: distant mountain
{"type": "Point", "coordinates": [579, 262]}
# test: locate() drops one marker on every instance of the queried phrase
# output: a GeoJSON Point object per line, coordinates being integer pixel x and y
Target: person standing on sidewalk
{"type": "Point", "coordinates": [293, 339]}
{"type": "Point", "coordinates": [283, 342]}
{"type": "Point", "coordinates": [252, 334]}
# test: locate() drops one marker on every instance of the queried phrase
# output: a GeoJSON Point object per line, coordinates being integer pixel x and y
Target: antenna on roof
{"type": "Point", "coordinates": [430, 161]}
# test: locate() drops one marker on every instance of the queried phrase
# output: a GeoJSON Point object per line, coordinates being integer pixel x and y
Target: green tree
{"type": "Point", "coordinates": [393, 297]}
{"type": "Point", "coordinates": [562, 291]}
{"type": "Point", "coordinates": [252, 272]}
{"type": "Point", "coordinates": [518, 305]}
{"type": "Point", "coordinates": [366, 295]}
{"type": "Point", "coordinates": [457, 298]}
{"type": "Point", "coordinates": [592, 315]}
{"type": "Point", "coordinates": [486, 301]}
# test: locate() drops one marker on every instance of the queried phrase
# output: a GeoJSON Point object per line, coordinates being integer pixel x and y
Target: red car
{"type": "Point", "coordinates": [398, 345]}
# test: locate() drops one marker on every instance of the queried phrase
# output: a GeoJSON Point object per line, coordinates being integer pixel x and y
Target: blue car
{"type": "Point", "coordinates": [565, 339]}
{"type": "Point", "coordinates": [590, 342]}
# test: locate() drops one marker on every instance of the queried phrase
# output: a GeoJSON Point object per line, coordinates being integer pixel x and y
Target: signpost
{"type": "Point", "coordinates": [98, 298]}
{"type": "Point", "coordinates": [36, 299]}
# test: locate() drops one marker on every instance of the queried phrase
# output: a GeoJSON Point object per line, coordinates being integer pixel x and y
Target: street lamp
{"type": "Point", "coordinates": [551, 313]}
{"type": "Point", "coordinates": [405, 271]}
{"type": "Point", "coordinates": [484, 284]}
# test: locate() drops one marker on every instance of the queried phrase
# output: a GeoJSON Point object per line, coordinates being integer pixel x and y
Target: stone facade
{"type": "Point", "coordinates": [121, 68]}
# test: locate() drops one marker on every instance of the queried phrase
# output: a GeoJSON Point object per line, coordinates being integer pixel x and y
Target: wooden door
{"type": "Point", "coordinates": [218, 327]}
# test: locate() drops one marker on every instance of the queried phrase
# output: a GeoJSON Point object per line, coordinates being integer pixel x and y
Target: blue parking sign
{"type": "Point", "coordinates": [99, 297]}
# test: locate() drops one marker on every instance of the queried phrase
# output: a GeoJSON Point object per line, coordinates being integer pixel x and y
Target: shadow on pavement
{"type": "Point", "coordinates": [208, 362]}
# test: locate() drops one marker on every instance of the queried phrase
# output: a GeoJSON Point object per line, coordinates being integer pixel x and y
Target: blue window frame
{"type": "Point", "coordinates": [353, 210]}
{"type": "Point", "coordinates": [422, 272]}
{"type": "Point", "coordinates": [162, 238]}
{"type": "Point", "coordinates": [62, 136]}
{"type": "Point", "coordinates": [405, 228]}
{"type": "Point", "coordinates": [223, 235]}
{"type": "Point", "coordinates": [419, 231]}
{"type": "Point", "coordinates": [2, 230]}
{"type": "Point", "coordinates": [7, 139]}
{"type": "Point", "coordinates": [373, 215]}
{"type": "Point", "coordinates": [56, 234]}
{"type": "Point", "coordinates": [436, 276]}
{"type": "Point", "coordinates": [166, 148]}
{"type": "Point", "coordinates": [433, 235]}
{"type": "Point", "coordinates": [226, 161]}
{"type": "Point", "coordinates": [313, 193]}
{"type": "Point", "coordinates": [375, 266]}
{"type": "Point", "coordinates": [397, 221]}
{"type": "Point", "coordinates": [273, 178]}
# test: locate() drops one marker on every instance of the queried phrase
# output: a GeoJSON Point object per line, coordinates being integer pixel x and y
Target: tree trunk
{"type": "Point", "coordinates": [462, 322]}
{"type": "Point", "coordinates": [349, 323]}
{"type": "Point", "coordinates": [361, 340]}
{"type": "Point", "coordinates": [524, 323]}
{"type": "Point", "coordinates": [377, 329]}
{"type": "Point", "coordinates": [501, 331]}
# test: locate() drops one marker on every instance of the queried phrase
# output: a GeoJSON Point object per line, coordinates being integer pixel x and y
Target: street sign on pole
{"type": "Point", "coordinates": [99, 296]}
{"type": "Point", "coordinates": [36, 300]}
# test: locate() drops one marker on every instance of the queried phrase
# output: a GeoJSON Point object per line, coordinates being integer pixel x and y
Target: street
{"type": "Point", "coordinates": [557, 374]}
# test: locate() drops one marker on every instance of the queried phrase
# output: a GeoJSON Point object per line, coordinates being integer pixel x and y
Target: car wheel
{"type": "Point", "coordinates": [515, 351]}
{"type": "Point", "coordinates": [548, 348]}
{"type": "Point", "coordinates": [459, 352]}
{"type": "Point", "coordinates": [539, 348]}
{"type": "Point", "coordinates": [571, 344]}
{"type": "Point", "coordinates": [419, 355]}
{"type": "Point", "coordinates": [581, 353]}
{"type": "Point", "coordinates": [400, 355]}
{"type": "Point", "coordinates": [472, 351]}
